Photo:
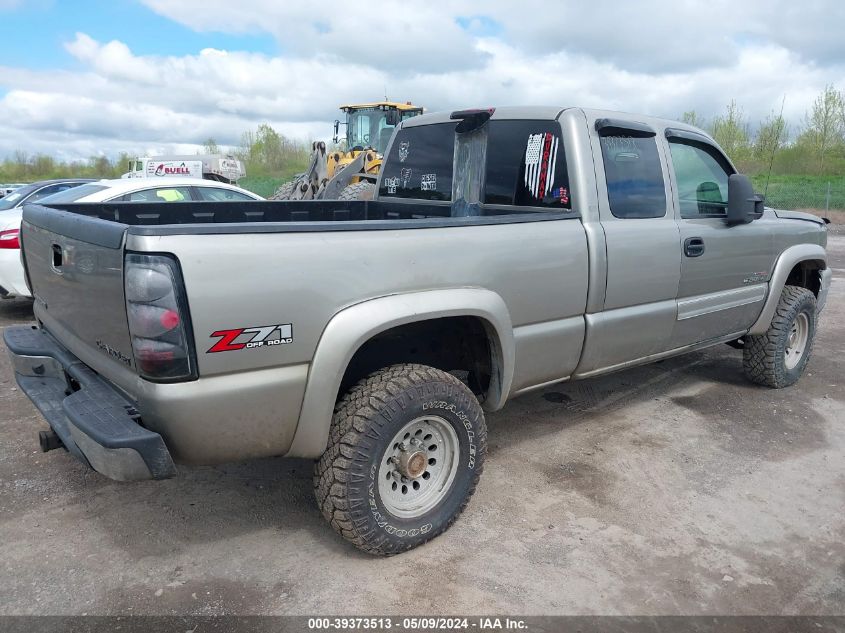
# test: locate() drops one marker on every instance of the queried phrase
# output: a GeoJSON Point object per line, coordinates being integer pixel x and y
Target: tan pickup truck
{"type": "Point", "coordinates": [506, 250]}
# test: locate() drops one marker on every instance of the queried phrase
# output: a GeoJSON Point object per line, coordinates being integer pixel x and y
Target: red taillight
{"type": "Point", "coordinates": [170, 319]}
{"type": "Point", "coordinates": [10, 238]}
{"type": "Point", "coordinates": [153, 357]}
{"type": "Point", "coordinates": [155, 303]}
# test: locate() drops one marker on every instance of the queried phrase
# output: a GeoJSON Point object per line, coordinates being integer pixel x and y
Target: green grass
{"type": "Point", "coordinates": [262, 185]}
{"type": "Point", "coordinates": [802, 192]}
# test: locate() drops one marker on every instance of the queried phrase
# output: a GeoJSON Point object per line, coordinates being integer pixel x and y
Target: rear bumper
{"type": "Point", "coordinates": [96, 423]}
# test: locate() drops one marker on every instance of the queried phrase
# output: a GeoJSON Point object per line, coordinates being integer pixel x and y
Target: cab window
{"type": "Point", "coordinates": [420, 163]}
{"type": "Point", "coordinates": [701, 174]}
{"type": "Point", "coordinates": [526, 165]}
{"type": "Point", "coordinates": [635, 187]}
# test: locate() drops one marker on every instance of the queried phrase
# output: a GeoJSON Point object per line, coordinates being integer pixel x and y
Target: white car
{"type": "Point", "coordinates": [146, 190]}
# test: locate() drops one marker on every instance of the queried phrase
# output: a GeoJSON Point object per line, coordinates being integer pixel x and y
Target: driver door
{"type": "Point", "coordinates": [724, 269]}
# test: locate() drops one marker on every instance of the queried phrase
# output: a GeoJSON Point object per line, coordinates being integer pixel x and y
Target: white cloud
{"type": "Point", "coordinates": [113, 60]}
{"type": "Point", "coordinates": [397, 35]}
{"type": "Point", "coordinates": [658, 58]}
{"type": "Point", "coordinates": [648, 35]}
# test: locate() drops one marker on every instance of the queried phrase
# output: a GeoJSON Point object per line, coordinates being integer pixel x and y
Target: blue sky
{"type": "Point", "coordinates": [94, 77]}
{"type": "Point", "coordinates": [35, 32]}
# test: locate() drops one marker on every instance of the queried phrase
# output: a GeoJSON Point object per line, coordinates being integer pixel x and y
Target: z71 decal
{"type": "Point", "coordinates": [252, 337]}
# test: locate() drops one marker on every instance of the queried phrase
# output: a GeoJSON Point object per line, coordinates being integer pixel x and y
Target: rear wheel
{"type": "Point", "coordinates": [778, 357]}
{"type": "Point", "coordinates": [405, 452]}
{"type": "Point", "coordinates": [362, 190]}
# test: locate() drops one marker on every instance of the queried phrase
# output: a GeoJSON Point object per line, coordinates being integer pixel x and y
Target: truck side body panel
{"type": "Point", "coordinates": [282, 282]}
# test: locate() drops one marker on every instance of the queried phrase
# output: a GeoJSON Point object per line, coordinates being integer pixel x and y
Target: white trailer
{"type": "Point", "coordinates": [220, 167]}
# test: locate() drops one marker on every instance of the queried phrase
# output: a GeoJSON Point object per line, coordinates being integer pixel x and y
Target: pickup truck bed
{"type": "Point", "coordinates": [291, 215]}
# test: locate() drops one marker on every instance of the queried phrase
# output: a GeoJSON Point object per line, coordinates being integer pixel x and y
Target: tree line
{"type": "Point", "coordinates": [813, 146]}
{"type": "Point", "coordinates": [265, 153]}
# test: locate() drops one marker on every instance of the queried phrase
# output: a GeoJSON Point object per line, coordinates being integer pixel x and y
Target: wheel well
{"type": "Point", "coordinates": [459, 345]}
{"type": "Point", "coordinates": [805, 274]}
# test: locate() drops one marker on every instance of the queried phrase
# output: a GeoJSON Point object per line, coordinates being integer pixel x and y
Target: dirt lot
{"type": "Point", "coordinates": [673, 488]}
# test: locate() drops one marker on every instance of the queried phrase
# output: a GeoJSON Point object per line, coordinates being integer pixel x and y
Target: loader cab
{"type": "Point", "coordinates": [371, 125]}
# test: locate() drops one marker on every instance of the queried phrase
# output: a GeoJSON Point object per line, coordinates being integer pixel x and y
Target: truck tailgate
{"type": "Point", "coordinates": [75, 269]}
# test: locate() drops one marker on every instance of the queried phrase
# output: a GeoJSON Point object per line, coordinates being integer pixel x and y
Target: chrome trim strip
{"type": "Point", "coordinates": [722, 300]}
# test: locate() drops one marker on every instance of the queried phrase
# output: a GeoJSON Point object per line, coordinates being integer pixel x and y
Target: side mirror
{"type": "Point", "coordinates": [392, 117]}
{"type": "Point", "coordinates": [743, 203]}
{"type": "Point", "coordinates": [336, 130]}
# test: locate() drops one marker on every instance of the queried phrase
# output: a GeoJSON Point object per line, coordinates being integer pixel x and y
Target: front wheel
{"type": "Point", "coordinates": [778, 357]}
{"type": "Point", "coordinates": [405, 452]}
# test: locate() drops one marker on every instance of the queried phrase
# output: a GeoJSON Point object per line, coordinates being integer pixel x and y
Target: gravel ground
{"type": "Point", "coordinates": [676, 488]}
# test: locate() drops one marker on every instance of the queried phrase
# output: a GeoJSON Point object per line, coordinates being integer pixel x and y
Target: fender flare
{"type": "Point", "coordinates": [785, 263]}
{"type": "Point", "coordinates": [353, 326]}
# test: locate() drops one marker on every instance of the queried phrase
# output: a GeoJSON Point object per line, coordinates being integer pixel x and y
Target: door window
{"type": "Point", "coordinates": [635, 187]}
{"type": "Point", "coordinates": [164, 194]}
{"type": "Point", "coordinates": [214, 194]}
{"type": "Point", "coordinates": [701, 174]}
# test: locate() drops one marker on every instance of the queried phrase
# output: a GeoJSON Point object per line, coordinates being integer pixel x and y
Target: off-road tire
{"type": "Point", "coordinates": [763, 356]}
{"type": "Point", "coordinates": [361, 190]}
{"type": "Point", "coordinates": [365, 422]}
{"type": "Point", "coordinates": [283, 191]}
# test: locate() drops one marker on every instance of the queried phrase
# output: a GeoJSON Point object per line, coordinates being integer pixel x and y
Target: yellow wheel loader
{"type": "Point", "coordinates": [350, 172]}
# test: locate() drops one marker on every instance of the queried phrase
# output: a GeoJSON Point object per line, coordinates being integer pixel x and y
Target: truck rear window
{"type": "Point", "coordinates": [526, 164]}
{"type": "Point", "coordinates": [419, 164]}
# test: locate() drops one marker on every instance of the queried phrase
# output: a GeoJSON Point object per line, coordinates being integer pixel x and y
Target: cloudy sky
{"type": "Point", "coordinates": [102, 76]}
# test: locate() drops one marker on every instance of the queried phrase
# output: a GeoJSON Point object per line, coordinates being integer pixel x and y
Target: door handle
{"type": "Point", "coordinates": [693, 247]}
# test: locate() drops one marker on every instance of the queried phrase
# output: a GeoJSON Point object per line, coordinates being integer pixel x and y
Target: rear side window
{"type": "Point", "coordinates": [635, 186]}
{"type": "Point", "coordinates": [420, 163]}
{"type": "Point", "coordinates": [526, 165]}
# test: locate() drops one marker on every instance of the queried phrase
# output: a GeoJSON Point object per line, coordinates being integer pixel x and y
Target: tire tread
{"type": "Point", "coordinates": [355, 422]}
{"type": "Point", "coordinates": [761, 357]}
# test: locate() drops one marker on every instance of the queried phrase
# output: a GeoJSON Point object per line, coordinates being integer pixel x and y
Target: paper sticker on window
{"type": "Point", "coordinates": [540, 160]}
{"type": "Point", "coordinates": [392, 184]}
{"type": "Point", "coordinates": [563, 194]}
{"type": "Point", "coordinates": [405, 173]}
{"type": "Point", "coordinates": [429, 182]}
{"type": "Point", "coordinates": [404, 150]}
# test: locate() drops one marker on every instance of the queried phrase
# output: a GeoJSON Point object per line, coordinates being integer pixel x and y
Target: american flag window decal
{"type": "Point", "coordinates": [540, 161]}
